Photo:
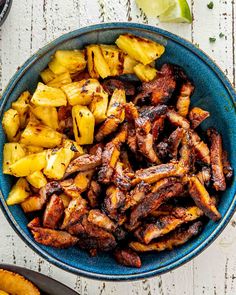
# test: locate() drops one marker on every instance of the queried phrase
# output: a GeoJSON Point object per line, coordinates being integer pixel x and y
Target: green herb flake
{"type": "Point", "coordinates": [210, 5]}
{"type": "Point", "coordinates": [221, 35]}
{"type": "Point", "coordinates": [197, 45]}
{"type": "Point", "coordinates": [212, 40]}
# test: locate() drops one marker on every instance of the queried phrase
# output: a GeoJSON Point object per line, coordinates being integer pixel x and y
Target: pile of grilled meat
{"type": "Point", "coordinates": [155, 176]}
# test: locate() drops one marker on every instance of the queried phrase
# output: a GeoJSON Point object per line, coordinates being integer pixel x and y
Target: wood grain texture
{"type": "Point", "coordinates": [30, 25]}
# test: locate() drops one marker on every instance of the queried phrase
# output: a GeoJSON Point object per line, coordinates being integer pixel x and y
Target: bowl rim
{"type": "Point", "coordinates": [50, 46]}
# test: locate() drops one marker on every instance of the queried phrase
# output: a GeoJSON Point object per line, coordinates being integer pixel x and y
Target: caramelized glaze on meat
{"type": "Point", "coordinates": [216, 160]}
{"type": "Point", "coordinates": [177, 238]}
{"type": "Point", "coordinates": [127, 257]}
{"type": "Point", "coordinates": [202, 199]}
{"type": "Point", "coordinates": [53, 212]}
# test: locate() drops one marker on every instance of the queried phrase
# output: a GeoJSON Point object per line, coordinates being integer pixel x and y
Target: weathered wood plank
{"type": "Point", "coordinates": [213, 272]}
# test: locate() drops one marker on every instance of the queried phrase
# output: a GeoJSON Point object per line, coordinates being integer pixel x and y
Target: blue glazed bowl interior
{"type": "Point", "coordinates": [213, 93]}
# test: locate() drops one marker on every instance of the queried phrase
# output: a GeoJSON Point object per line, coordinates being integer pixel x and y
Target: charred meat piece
{"type": "Point", "coordinates": [113, 201]}
{"type": "Point", "coordinates": [127, 257]}
{"type": "Point", "coordinates": [74, 187]}
{"type": "Point", "coordinates": [161, 88]}
{"type": "Point", "coordinates": [177, 120]}
{"type": "Point", "coordinates": [166, 224]}
{"type": "Point", "coordinates": [101, 220]}
{"type": "Point", "coordinates": [197, 116]}
{"type": "Point", "coordinates": [154, 200]}
{"type": "Point", "coordinates": [74, 212]}
{"type": "Point", "coordinates": [52, 187]}
{"type": "Point", "coordinates": [158, 126]}
{"type": "Point", "coordinates": [93, 194]}
{"type": "Point", "coordinates": [136, 195]}
{"type": "Point", "coordinates": [121, 136]}
{"type": "Point", "coordinates": [174, 141]}
{"type": "Point", "coordinates": [110, 125]}
{"type": "Point", "coordinates": [145, 139]}
{"type": "Point", "coordinates": [201, 149]}
{"type": "Point", "coordinates": [163, 183]}
{"type": "Point", "coordinates": [110, 157]}
{"type": "Point", "coordinates": [131, 112]}
{"type": "Point", "coordinates": [110, 85]}
{"type": "Point", "coordinates": [53, 212]}
{"type": "Point", "coordinates": [163, 210]}
{"type": "Point", "coordinates": [228, 170]}
{"type": "Point", "coordinates": [205, 176]}
{"type": "Point", "coordinates": [186, 155]}
{"type": "Point", "coordinates": [155, 173]}
{"type": "Point", "coordinates": [216, 160]}
{"type": "Point", "coordinates": [95, 237]}
{"type": "Point", "coordinates": [34, 223]}
{"type": "Point", "coordinates": [132, 139]}
{"type": "Point", "coordinates": [85, 162]}
{"type": "Point", "coordinates": [120, 178]}
{"type": "Point", "coordinates": [177, 238]}
{"type": "Point", "coordinates": [183, 101]}
{"type": "Point", "coordinates": [202, 199]}
{"type": "Point", "coordinates": [153, 112]}
{"type": "Point", "coordinates": [53, 238]}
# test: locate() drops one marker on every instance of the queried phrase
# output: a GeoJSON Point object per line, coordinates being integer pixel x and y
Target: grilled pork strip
{"type": "Point", "coordinates": [216, 160]}
{"type": "Point", "coordinates": [53, 212]}
{"type": "Point", "coordinates": [177, 238]}
{"type": "Point", "coordinates": [202, 198]}
{"type": "Point", "coordinates": [127, 257]}
{"type": "Point", "coordinates": [166, 224]}
{"type": "Point", "coordinates": [154, 200]}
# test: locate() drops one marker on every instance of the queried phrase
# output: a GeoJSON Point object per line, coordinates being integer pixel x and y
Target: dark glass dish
{"type": "Point", "coordinates": [5, 6]}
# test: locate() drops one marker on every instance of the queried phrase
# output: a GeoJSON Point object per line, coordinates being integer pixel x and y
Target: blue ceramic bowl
{"type": "Point", "coordinates": [213, 92]}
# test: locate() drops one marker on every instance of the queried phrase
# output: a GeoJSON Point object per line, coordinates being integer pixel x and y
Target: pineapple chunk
{"type": "Point", "coordinates": [145, 73]}
{"type": "Point", "coordinates": [83, 179]}
{"type": "Point", "coordinates": [29, 164]}
{"type": "Point", "coordinates": [98, 107]}
{"type": "Point", "coordinates": [117, 100]}
{"type": "Point", "coordinates": [129, 64]}
{"type": "Point", "coordinates": [41, 136]}
{"type": "Point", "coordinates": [11, 124]}
{"type": "Point", "coordinates": [65, 199]}
{"type": "Point", "coordinates": [47, 75]}
{"type": "Point", "coordinates": [56, 67]}
{"type": "Point", "coordinates": [47, 115]}
{"type": "Point", "coordinates": [12, 152]}
{"type": "Point", "coordinates": [141, 49]}
{"type": "Point", "coordinates": [33, 203]}
{"type": "Point", "coordinates": [31, 149]}
{"type": "Point", "coordinates": [114, 57]}
{"type": "Point", "coordinates": [37, 179]}
{"type": "Point", "coordinates": [73, 145]}
{"type": "Point", "coordinates": [60, 80]}
{"type": "Point", "coordinates": [21, 105]}
{"type": "Point", "coordinates": [19, 192]}
{"type": "Point", "coordinates": [73, 60]}
{"type": "Point", "coordinates": [48, 96]}
{"type": "Point", "coordinates": [97, 65]}
{"type": "Point", "coordinates": [83, 124]}
{"type": "Point", "coordinates": [57, 162]}
{"type": "Point", "coordinates": [82, 92]}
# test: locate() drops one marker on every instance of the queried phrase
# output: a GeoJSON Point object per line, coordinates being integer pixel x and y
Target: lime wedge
{"type": "Point", "coordinates": [177, 13]}
{"type": "Point", "coordinates": [155, 7]}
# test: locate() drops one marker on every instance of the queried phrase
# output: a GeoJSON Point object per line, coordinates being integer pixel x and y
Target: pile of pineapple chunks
{"type": "Point", "coordinates": [36, 151]}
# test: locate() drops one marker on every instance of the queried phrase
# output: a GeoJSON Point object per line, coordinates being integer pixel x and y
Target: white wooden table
{"type": "Point", "coordinates": [33, 23]}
